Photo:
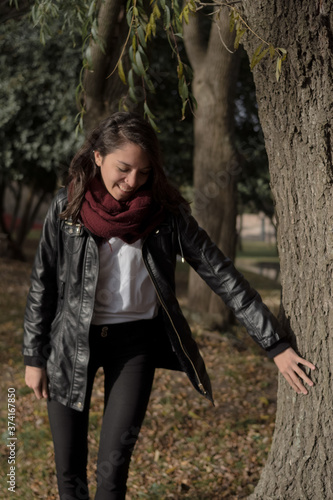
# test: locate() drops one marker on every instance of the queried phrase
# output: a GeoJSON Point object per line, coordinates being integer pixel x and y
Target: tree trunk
{"type": "Point", "coordinates": [102, 91]}
{"type": "Point", "coordinates": [296, 115]}
{"type": "Point", "coordinates": [215, 158]}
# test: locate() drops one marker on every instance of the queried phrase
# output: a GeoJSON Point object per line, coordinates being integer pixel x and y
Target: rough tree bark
{"type": "Point", "coordinates": [296, 116]}
{"type": "Point", "coordinates": [215, 157]}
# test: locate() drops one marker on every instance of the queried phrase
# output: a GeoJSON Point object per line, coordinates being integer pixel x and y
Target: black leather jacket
{"type": "Point", "coordinates": [61, 300]}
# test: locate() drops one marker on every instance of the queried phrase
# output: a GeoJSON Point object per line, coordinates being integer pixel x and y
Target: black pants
{"type": "Point", "coordinates": [124, 353]}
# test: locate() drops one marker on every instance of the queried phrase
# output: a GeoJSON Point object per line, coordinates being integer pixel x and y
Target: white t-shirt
{"type": "Point", "coordinates": [124, 289]}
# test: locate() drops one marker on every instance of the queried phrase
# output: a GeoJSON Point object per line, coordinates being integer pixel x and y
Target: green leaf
{"type": "Point", "coordinates": [141, 35]}
{"type": "Point", "coordinates": [192, 6]}
{"type": "Point", "coordinates": [132, 94]}
{"type": "Point", "coordinates": [139, 63]}
{"type": "Point", "coordinates": [121, 72]}
{"type": "Point", "coordinates": [94, 30]}
{"type": "Point", "coordinates": [188, 70]}
{"type": "Point", "coordinates": [91, 8]}
{"type": "Point", "coordinates": [262, 54]}
{"type": "Point", "coordinates": [239, 35]}
{"type": "Point", "coordinates": [278, 68]}
{"type": "Point", "coordinates": [149, 84]}
{"type": "Point", "coordinates": [183, 109]}
{"type": "Point", "coordinates": [131, 54]}
{"type": "Point", "coordinates": [34, 14]}
{"type": "Point", "coordinates": [153, 24]}
{"type": "Point", "coordinates": [271, 51]}
{"type": "Point", "coordinates": [255, 56]}
{"type": "Point", "coordinates": [257, 51]}
{"type": "Point", "coordinates": [136, 69]}
{"type": "Point", "coordinates": [156, 11]}
{"type": "Point", "coordinates": [130, 78]}
{"type": "Point", "coordinates": [153, 124]}
{"type": "Point", "coordinates": [134, 43]}
{"type": "Point", "coordinates": [148, 32]}
{"type": "Point", "coordinates": [184, 14]}
{"type": "Point", "coordinates": [143, 55]}
{"type": "Point", "coordinates": [180, 69]}
{"type": "Point", "coordinates": [167, 17]}
{"type": "Point", "coordinates": [194, 101]}
{"type": "Point", "coordinates": [42, 37]}
{"type": "Point", "coordinates": [129, 16]}
{"type": "Point", "coordinates": [183, 89]}
{"type": "Point", "coordinates": [147, 110]}
{"type": "Point", "coordinates": [232, 20]}
{"type": "Point", "coordinates": [258, 55]}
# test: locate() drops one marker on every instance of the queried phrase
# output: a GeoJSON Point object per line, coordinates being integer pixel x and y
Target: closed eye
{"type": "Point", "coordinates": [141, 172]}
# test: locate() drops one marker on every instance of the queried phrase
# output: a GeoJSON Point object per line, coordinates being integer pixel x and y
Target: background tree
{"type": "Point", "coordinates": [216, 162]}
{"type": "Point", "coordinates": [37, 113]}
{"type": "Point", "coordinates": [102, 87]}
{"type": "Point", "coordinates": [296, 116]}
{"type": "Point", "coordinates": [253, 186]}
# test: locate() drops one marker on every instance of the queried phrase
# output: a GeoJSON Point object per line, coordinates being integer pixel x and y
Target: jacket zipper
{"type": "Point", "coordinates": [200, 385]}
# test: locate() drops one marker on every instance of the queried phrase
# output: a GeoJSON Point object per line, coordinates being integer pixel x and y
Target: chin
{"type": "Point", "coordinates": [121, 195]}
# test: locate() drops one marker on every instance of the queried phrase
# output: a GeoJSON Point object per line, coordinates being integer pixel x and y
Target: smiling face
{"type": "Point", "coordinates": [124, 171]}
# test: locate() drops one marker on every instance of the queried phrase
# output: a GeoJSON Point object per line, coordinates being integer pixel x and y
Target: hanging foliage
{"type": "Point", "coordinates": [145, 21]}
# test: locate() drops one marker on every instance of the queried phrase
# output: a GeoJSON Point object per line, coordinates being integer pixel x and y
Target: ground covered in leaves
{"type": "Point", "coordinates": [187, 449]}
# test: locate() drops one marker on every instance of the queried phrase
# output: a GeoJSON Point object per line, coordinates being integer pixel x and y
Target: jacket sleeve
{"type": "Point", "coordinates": [42, 298]}
{"type": "Point", "coordinates": [223, 278]}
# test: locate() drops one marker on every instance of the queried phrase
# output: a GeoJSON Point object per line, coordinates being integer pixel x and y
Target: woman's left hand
{"type": "Point", "coordinates": [287, 362]}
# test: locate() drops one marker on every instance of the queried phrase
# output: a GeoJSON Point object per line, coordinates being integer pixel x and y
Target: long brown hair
{"type": "Point", "coordinates": [112, 133]}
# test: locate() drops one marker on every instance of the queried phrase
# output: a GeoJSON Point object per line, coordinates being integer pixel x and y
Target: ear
{"type": "Point", "coordinates": [98, 158]}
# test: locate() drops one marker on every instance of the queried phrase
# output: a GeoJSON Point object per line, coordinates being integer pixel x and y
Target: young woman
{"type": "Point", "coordinates": [103, 295]}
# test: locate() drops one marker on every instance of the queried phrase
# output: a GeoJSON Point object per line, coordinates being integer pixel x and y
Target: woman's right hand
{"type": "Point", "coordinates": [36, 379]}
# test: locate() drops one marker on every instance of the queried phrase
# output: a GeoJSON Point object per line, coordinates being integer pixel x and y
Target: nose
{"type": "Point", "coordinates": [132, 180]}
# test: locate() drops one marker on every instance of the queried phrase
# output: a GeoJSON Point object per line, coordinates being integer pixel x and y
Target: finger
{"type": "Point", "coordinates": [44, 387]}
{"type": "Point", "coordinates": [303, 376]}
{"type": "Point", "coordinates": [307, 363]}
{"type": "Point", "coordinates": [38, 392]}
{"type": "Point", "coordinates": [299, 387]}
{"type": "Point", "coordinates": [297, 359]}
{"type": "Point", "coordinates": [294, 384]}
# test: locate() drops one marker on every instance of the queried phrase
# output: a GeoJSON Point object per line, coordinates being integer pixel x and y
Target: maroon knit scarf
{"type": "Point", "coordinates": [128, 220]}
